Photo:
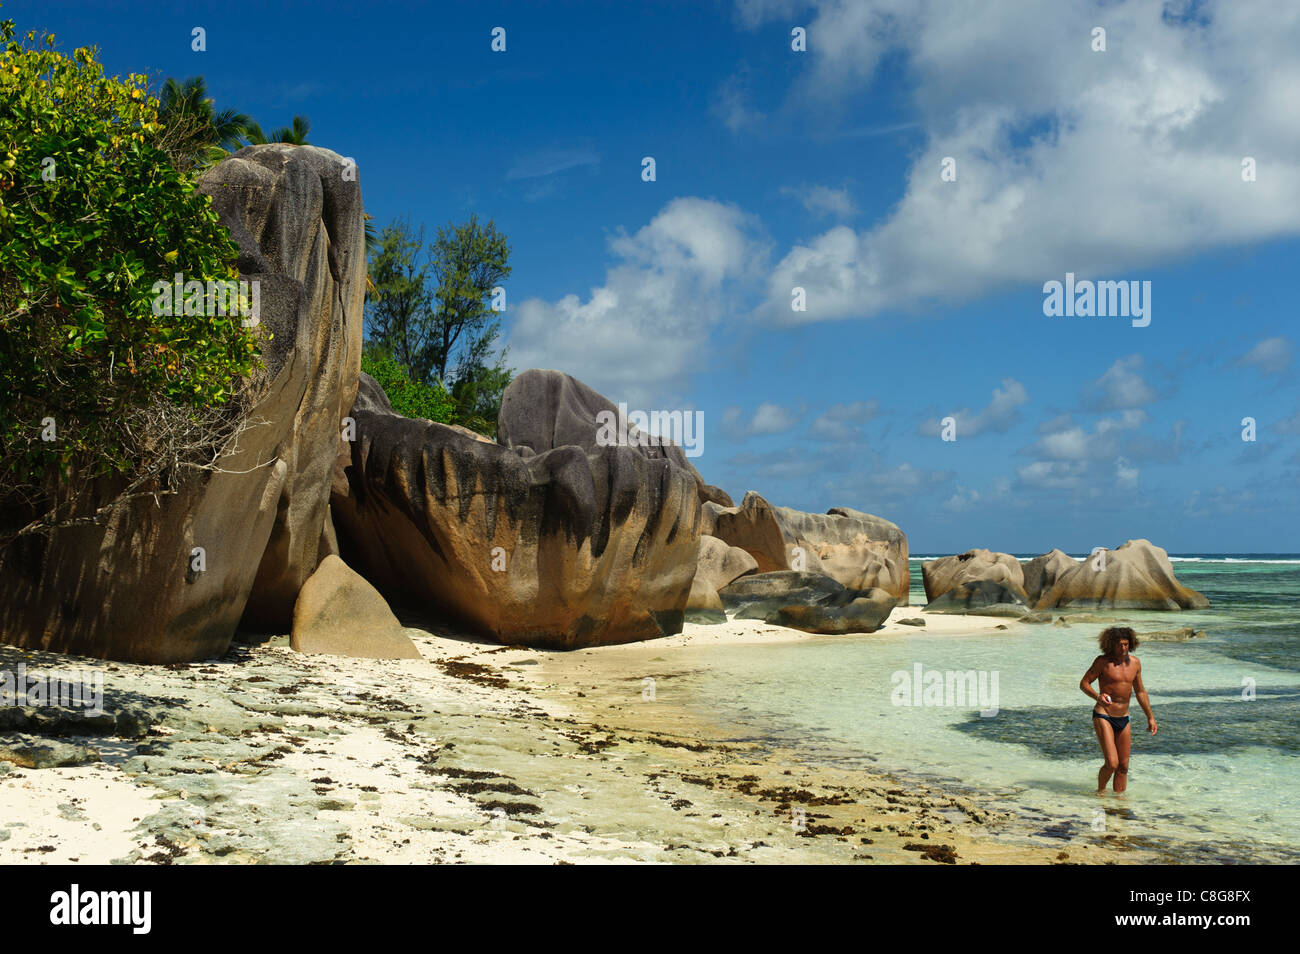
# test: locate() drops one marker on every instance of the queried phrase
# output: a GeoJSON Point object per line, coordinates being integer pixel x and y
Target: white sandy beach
{"type": "Point", "coordinates": [474, 753]}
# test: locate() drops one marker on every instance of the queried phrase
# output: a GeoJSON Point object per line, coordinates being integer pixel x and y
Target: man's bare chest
{"type": "Point", "coordinates": [1119, 672]}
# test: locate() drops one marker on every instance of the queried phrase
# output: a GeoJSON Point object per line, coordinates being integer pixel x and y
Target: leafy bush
{"type": "Point", "coordinates": [92, 214]}
{"type": "Point", "coordinates": [409, 398]}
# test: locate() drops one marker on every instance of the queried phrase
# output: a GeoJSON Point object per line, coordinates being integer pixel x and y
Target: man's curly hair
{"type": "Point", "coordinates": [1110, 638]}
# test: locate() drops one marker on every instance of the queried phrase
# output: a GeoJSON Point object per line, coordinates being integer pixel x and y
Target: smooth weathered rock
{"type": "Point", "coordinates": [979, 598]}
{"type": "Point", "coordinates": [858, 549]}
{"type": "Point", "coordinates": [26, 752]}
{"type": "Point", "coordinates": [719, 564]}
{"type": "Point", "coordinates": [783, 587]}
{"type": "Point", "coordinates": [755, 528]}
{"type": "Point", "coordinates": [709, 511]}
{"type": "Point", "coordinates": [703, 604]}
{"type": "Point", "coordinates": [542, 410]}
{"type": "Point", "coordinates": [864, 614]}
{"type": "Point", "coordinates": [1042, 572]}
{"type": "Point", "coordinates": [125, 589]}
{"type": "Point", "coordinates": [1136, 575]}
{"type": "Point", "coordinates": [910, 621]}
{"type": "Point", "coordinates": [572, 546]}
{"type": "Point", "coordinates": [940, 576]}
{"type": "Point", "coordinates": [57, 721]}
{"type": "Point", "coordinates": [472, 435]}
{"type": "Point", "coordinates": [294, 214]}
{"type": "Point", "coordinates": [812, 602]}
{"type": "Point", "coordinates": [716, 566]}
{"type": "Point", "coordinates": [339, 613]}
{"type": "Point", "coordinates": [712, 494]}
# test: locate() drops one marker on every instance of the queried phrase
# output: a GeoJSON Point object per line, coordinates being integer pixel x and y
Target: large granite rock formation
{"type": "Point", "coordinates": [1136, 575]}
{"type": "Point", "coordinates": [716, 495]}
{"type": "Point", "coordinates": [755, 528]}
{"type": "Point", "coordinates": [980, 598]}
{"type": "Point", "coordinates": [295, 215]}
{"type": "Point", "coordinates": [542, 410]}
{"type": "Point", "coordinates": [129, 588]}
{"type": "Point", "coordinates": [1042, 572]}
{"type": "Point", "coordinates": [720, 564]}
{"type": "Point", "coordinates": [858, 549]}
{"type": "Point", "coordinates": [542, 543]}
{"type": "Point", "coordinates": [943, 574]}
{"type": "Point", "coordinates": [813, 602]}
{"type": "Point", "coordinates": [717, 566]}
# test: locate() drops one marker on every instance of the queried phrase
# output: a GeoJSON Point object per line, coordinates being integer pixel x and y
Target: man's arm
{"type": "Point", "coordinates": [1143, 701]}
{"type": "Point", "coordinates": [1089, 677]}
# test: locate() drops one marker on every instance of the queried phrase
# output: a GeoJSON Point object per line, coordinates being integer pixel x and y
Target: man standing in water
{"type": "Point", "coordinates": [1118, 676]}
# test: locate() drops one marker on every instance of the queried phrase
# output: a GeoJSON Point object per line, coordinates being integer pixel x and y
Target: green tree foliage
{"type": "Point", "coordinates": [92, 214]}
{"type": "Point", "coordinates": [467, 262]}
{"type": "Point", "coordinates": [409, 398]}
{"type": "Point", "coordinates": [479, 382]}
{"type": "Point", "coordinates": [430, 309]}
{"type": "Point", "coordinates": [195, 133]}
{"type": "Point", "coordinates": [399, 309]}
{"type": "Point", "coordinates": [294, 135]}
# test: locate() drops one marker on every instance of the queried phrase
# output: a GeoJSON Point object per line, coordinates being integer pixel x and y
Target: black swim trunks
{"type": "Point", "coordinates": [1118, 723]}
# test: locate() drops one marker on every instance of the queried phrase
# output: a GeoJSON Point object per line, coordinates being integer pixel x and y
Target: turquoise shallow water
{"type": "Point", "coordinates": [1219, 782]}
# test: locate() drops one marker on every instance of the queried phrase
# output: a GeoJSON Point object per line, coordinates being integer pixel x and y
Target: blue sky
{"type": "Point", "coordinates": [821, 169]}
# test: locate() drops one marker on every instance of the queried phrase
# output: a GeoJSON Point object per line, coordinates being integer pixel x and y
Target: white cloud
{"type": "Point", "coordinates": [1075, 443]}
{"type": "Point", "coordinates": [1071, 444]}
{"type": "Point", "coordinates": [1067, 160]}
{"type": "Point", "coordinates": [823, 200]}
{"type": "Point", "coordinates": [1272, 355]}
{"type": "Point", "coordinates": [1000, 413]}
{"type": "Point", "coordinates": [1089, 463]}
{"type": "Point", "coordinates": [768, 419]}
{"type": "Point", "coordinates": [641, 333]}
{"type": "Point", "coordinates": [1122, 386]}
{"type": "Point", "coordinates": [843, 422]}
{"type": "Point", "coordinates": [963, 499]}
{"type": "Point", "coordinates": [697, 237]}
{"type": "Point", "coordinates": [1053, 474]}
{"type": "Point", "coordinates": [1125, 472]}
{"type": "Point", "coordinates": [773, 419]}
{"type": "Point", "coordinates": [1058, 423]}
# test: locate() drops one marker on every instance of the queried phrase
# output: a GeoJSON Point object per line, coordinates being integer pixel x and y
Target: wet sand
{"type": "Point", "coordinates": [817, 813]}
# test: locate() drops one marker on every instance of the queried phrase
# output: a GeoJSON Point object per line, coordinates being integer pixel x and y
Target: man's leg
{"type": "Point", "coordinates": [1123, 744]}
{"type": "Point", "coordinates": [1106, 737]}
